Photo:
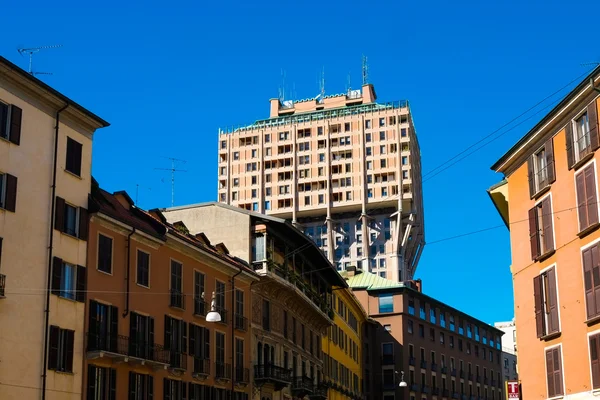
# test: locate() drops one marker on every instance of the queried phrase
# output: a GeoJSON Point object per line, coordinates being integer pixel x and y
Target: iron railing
{"type": "Point", "coordinates": [303, 383]}
{"type": "Point", "coordinates": [411, 361]}
{"type": "Point", "coordinates": [177, 299]}
{"type": "Point", "coordinates": [434, 367]}
{"type": "Point", "coordinates": [178, 360]}
{"type": "Point", "coordinates": [423, 364]}
{"type": "Point", "coordinates": [242, 375]}
{"type": "Point", "coordinates": [124, 346]}
{"type": "Point", "coordinates": [222, 370]}
{"type": "Point", "coordinates": [201, 366]}
{"type": "Point", "coordinates": [241, 322]}
{"type": "Point", "coordinates": [271, 371]}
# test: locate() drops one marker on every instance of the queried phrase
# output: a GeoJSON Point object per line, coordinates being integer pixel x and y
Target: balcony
{"type": "Point", "coordinates": [387, 359]}
{"type": "Point", "coordinates": [414, 387]}
{"type": "Point", "coordinates": [273, 374]}
{"type": "Point", "coordinates": [302, 386]}
{"type": "Point", "coordinates": [478, 379]}
{"type": "Point", "coordinates": [411, 361]}
{"type": "Point", "coordinates": [178, 361]}
{"type": "Point", "coordinates": [434, 367]}
{"type": "Point", "coordinates": [319, 392]}
{"type": "Point", "coordinates": [242, 375]}
{"type": "Point", "coordinates": [493, 382]}
{"type": "Point", "coordinates": [455, 395]}
{"type": "Point", "coordinates": [462, 374]}
{"type": "Point", "coordinates": [485, 381]}
{"type": "Point", "coordinates": [453, 372]}
{"type": "Point", "coordinates": [177, 299]}
{"type": "Point", "coordinates": [424, 389]}
{"type": "Point", "coordinates": [424, 364]}
{"type": "Point", "coordinates": [241, 323]}
{"type": "Point", "coordinates": [222, 371]}
{"type": "Point", "coordinates": [223, 312]}
{"type": "Point", "coordinates": [2, 286]}
{"type": "Point", "coordinates": [201, 368]}
{"type": "Point", "coordinates": [200, 306]}
{"type": "Point", "coordinates": [445, 393]}
{"type": "Point", "coordinates": [435, 391]}
{"type": "Point", "coordinates": [444, 370]}
{"type": "Point", "coordinates": [470, 376]}
{"type": "Point", "coordinates": [121, 349]}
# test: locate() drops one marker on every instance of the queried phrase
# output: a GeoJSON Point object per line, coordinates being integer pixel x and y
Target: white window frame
{"type": "Point", "coordinates": [538, 204]}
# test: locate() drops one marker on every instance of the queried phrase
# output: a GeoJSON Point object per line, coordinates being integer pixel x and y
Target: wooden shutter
{"type": "Point", "coordinates": [538, 302]}
{"type": "Point", "coordinates": [184, 332]}
{"type": "Point", "coordinates": [70, 338]}
{"type": "Point", "coordinates": [93, 339]}
{"type": "Point", "coordinates": [192, 339]}
{"type": "Point", "coordinates": [531, 175]}
{"type": "Point", "coordinates": [534, 238]}
{"type": "Point", "coordinates": [83, 224]}
{"type": "Point", "coordinates": [552, 302]}
{"type": "Point", "coordinates": [590, 301]}
{"type": "Point", "coordinates": [114, 328]}
{"type": "Point", "coordinates": [168, 333]}
{"type": "Point", "coordinates": [150, 383]}
{"type": "Point", "coordinates": [59, 214]}
{"type": "Point", "coordinates": [581, 200]}
{"type": "Point", "coordinates": [556, 358]}
{"type": "Point", "coordinates": [80, 284]}
{"type": "Point", "coordinates": [551, 173]}
{"type": "Point", "coordinates": [57, 266]}
{"type": "Point", "coordinates": [166, 389]}
{"type": "Point", "coordinates": [53, 347]}
{"type": "Point", "coordinates": [183, 387]}
{"type": "Point", "coordinates": [590, 195]}
{"type": "Point", "coordinates": [570, 149]}
{"type": "Point", "coordinates": [592, 112]}
{"type": "Point", "coordinates": [151, 334]}
{"type": "Point", "coordinates": [10, 203]}
{"type": "Point", "coordinates": [595, 360]}
{"type": "Point", "coordinates": [16, 115]}
{"type": "Point", "coordinates": [131, 385]}
{"type": "Point", "coordinates": [91, 382]}
{"type": "Point", "coordinates": [112, 384]}
{"type": "Point", "coordinates": [547, 225]}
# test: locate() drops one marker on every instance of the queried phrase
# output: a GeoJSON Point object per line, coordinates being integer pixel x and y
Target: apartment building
{"type": "Point", "coordinates": [551, 179]}
{"type": "Point", "coordinates": [343, 347]}
{"type": "Point", "coordinates": [150, 287]}
{"type": "Point", "coordinates": [509, 349]}
{"type": "Point", "coordinates": [291, 305]}
{"type": "Point", "coordinates": [45, 179]}
{"type": "Point", "coordinates": [343, 168]}
{"type": "Point", "coordinates": [438, 351]}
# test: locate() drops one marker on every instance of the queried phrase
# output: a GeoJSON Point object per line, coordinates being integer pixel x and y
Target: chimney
{"type": "Point", "coordinates": [419, 285]}
{"type": "Point", "coordinates": [351, 270]}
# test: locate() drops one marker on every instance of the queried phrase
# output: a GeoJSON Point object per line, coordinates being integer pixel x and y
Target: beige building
{"type": "Point", "coordinates": [45, 180]}
{"type": "Point", "coordinates": [344, 168]}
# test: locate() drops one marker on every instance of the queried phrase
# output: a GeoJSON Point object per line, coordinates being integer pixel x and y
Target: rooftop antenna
{"type": "Point", "coordinates": [323, 83]}
{"type": "Point", "coordinates": [31, 51]}
{"type": "Point", "coordinates": [348, 84]}
{"type": "Point", "coordinates": [137, 191]}
{"type": "Point", "coordinates": [173, 170]}
{"type": "Point", "coordinates": [282, 87]}
{"type": "Point", "coordinates": [365, 70]}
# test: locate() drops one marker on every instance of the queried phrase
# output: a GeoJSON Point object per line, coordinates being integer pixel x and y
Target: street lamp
{"type": "Point", "coordinates": [402, 383]}
{"type": "Point", "coordinates": [213, 315]}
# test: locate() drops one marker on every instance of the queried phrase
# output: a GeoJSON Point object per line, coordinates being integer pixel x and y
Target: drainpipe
{"type": "Point", "coordinates": [233, 331]}
{"type": "Point", "coordinates": [126, 312]}
{"type": "Point", "coordinates": [50, 252]}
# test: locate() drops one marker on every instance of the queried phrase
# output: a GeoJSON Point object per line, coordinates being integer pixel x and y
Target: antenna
{"type": "Point", "coordinates": [365, 70]}
{"type": "Point", "coordinates": [323, 83]}
{"type": "Point", "coordinates": [31, 51]}
{"type": "Point", "coordinates": [137, 191]}
{"type": "Point", "coordinates": [348, 85]}
{"type": "Point", "coordinates": [282, 87]}
{"type": "Point", "coordinates": [173, 170]}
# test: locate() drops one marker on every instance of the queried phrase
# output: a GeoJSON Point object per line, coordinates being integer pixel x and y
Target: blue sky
{"type": "Point", "coordinates": [168, 77]}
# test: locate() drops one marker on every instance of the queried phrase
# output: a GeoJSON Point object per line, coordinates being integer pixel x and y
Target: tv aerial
{"type": "Point", "coordinates": [33, 50]}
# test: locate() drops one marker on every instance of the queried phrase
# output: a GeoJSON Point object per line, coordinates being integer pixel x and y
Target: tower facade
{"type": "Point", "coordinates": [343, 168]}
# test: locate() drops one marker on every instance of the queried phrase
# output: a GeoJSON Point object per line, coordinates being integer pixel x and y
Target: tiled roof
{"type": "Point", "coordinates": [371, 281]}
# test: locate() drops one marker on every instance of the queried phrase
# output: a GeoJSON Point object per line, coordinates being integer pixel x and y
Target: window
{"type": "Point", "coordinates": [70, 219]}
{"type": "Point", "coordinates": [441, 337]}
{"type": "Point", "coordinates": [541, 235]}
{"type": "Point", "coordinates": [442, 319]}
{"type": "Point", "coordinates": [422, 310]}
{"type": "Point", "coordinates": [591, 279]}
{"type": "Point", "coordinates": [546, 308]}
{"type": "Point", "coordinates": [141, 387]}
{"type": "Point", "coordinates": [432, 334]}
{"type": "Point", "coordinates": [221, 370]}
{"type": "Point", "coordinates": [410, 326]}
{"type": "Point", "coordinates": [587, 204]}
{"type": "Point", "coordinates": [267, 205]}
{"type": "Point", "coordinates": [141, 335]}
{"type": "Point", "coordinates": [103, 327]}
{"type": "Point", "coordinates": [199, 304]}
{"type": "Point", "coordinates": [421, 331]}
{"type": "Point", "coordinates": [432, 315]}
{"type": "Point", "coordinates": [451, 322]}
{"type": "Point", "coordinates": [386, 303]}
{"type": "Point", "coordinates": [367, 137]}
{"type": "Point", "coordinates": [368, 124]}
{"type": "Point", "coordinates": [266, 315]}
{"type": "Point", "coordinates": [411, 306]}
{"type": "Point", "coordinates": [239, 360]}
{"type": "Point", "coordinates": [239, 310]}
{"type": "Point", "coordinates": [540, 168]}
{"type": "Point", "coordinates": [174, 390]}
{"type": "Point", "coordinates": [8, 191]}
{"type": "Point", "coordinates": [105, 247]}
{"type": "Point", "coordinates": [177, 296]}
{"type": "Point", "coordinates": [368, 151]}
{"type": "Point", "coordinates": [382, 135]}
{"type": "Point", "coordinates": [451, 341]}
{"type": "Point", "coordinates": [199, 348]}
{"type": "Point", "coordinates": [60, 354]}
{"type": "Point", "coordinates": [404, 160]}
{"type": "Point", "coordinates": [582, 135]}
{"type": "Point", "coordinates": [175, 340]}
{"type": "Point", "coordinates": [594, 360]}
{"type": "Point", "coordinates": [268, 138]}
{"type": "Point", "coordinates": [73, 163]}
{"type": "Point", "coordinates": [220, 299]}
{"type": "Point", "coordinates": [10, 123]}
{"type": "Point", "coordinates": [554, 372]}
{"type": "Point", "coordinates": [68, 280]}
{"type": "Point", "coordinates": [143, 268]}
{"type": "Point", "coordinates": [101, 383]}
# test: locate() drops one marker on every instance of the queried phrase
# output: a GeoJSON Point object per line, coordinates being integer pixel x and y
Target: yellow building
{"type": "Point", "coordinates": [342, 347]}
{"type": "Point", "coordinates": [45, 180]}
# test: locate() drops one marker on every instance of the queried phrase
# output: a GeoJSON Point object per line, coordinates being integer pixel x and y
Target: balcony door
{"type": "Point", "coordinates": [103, 327]}
{"type": "Point", "coordinates": [141, 336]}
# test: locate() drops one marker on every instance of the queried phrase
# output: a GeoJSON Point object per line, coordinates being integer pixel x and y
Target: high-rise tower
{"type": "Point", "coordinates": [344, 168]}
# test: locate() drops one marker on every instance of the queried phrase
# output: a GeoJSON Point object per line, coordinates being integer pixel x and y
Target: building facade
{"type": "Point", "coordinates": [551, 179]}
{"type": "Point", "coordinates": [343, 168]}
{"type": "Point", "coordinates": [343, 347]}
{"type": "Point", "coordinates": [45, 179]}
{"type": "Point", "coordinates": [440, 352]}
{"type": "Point", "coordinates": [509, 349]}
{"type": "Point", "coordinates": [150, 287]}
{"type": "Point", "coordinates": [291, 305]}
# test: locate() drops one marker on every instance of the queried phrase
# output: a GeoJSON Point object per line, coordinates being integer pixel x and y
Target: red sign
{"type": "Point", "coordinates": [512, 390]}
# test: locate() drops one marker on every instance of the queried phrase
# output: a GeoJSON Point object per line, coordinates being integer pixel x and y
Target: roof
{"type": "Point", "coordinates": [35, 81]}
{"type": "Point", "coordinates": [369, 281]}
{"type": "Point", "coordinates": [572, 94]}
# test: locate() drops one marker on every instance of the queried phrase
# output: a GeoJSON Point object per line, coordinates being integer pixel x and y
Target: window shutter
{"type": "Point", "coordinates": [131, 385]}
{"type": "Point", "coordinates": [166, 389]}
{"type": "Point", "coordinates": [91, 382]}
{"type": "Point", "coordinates": [206, 344]}
{"type": "Point", "coordinates": [592, 112]}
{"type": "Point", "coordinates": [69, 351]}
{"type": "Point", "coordinates": [537, 297]}
{"type": "Point", "coordinates": [151, 334]}
{"type": "Point", "coordinates": [112, 384]}
{"type": "Point", "coordinates": [570, 149]}
{"type": "Point", "coordinates": [59, 214]}
{"type": "Point", "coordinates": [551, 173]}
{"type": "Point", "coordinates": [11, 193]}
{"type": "Point", "coordinates": [534, 238]}
{"type": "Point", "coordinates": [588, 265]}
{"type": "Point", "coordinates": [57, 265]}
{"type": "Point", "coordinates": [581, 200]}
{"type": "Point", "coordinates": [183, 390]}
{"type": "Point", "coordinates": [77, 157]}
{"type": "Point", "coordinates": [552, 302]}
{"type": "Point", "coordinates": [531, 176]}
{"type": "Point", "coordinates": [192, 339]}
{"type": "Point", "coordinates": [16, 115]}
{"type": "Point", "coordinates": [53, 347]}
{"type": "Point", "coordinates": [93, 339]}
{"type": "Point", "coordinates": [114, 327]}
{"type": "Point", "coordinates": [81, 284]}
{"type": "Point", "coordinates": [184, 332]}
{"type": "Point", "coordinates": [547, 225]}
{"type": "Point", "coordinates": [150, 383]}
{"type": "Point", "coordinates": [557, 371]}
{"type": "Point", "coordinates": [595, 360]}
{"type": "Point", "coordinates": [590, 192]}
{"type": "Point", "coordinates": [168, 333]}
{"type": "Point", "coordinates": [83, 223]}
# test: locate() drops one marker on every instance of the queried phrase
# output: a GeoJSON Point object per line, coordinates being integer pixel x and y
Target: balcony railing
{"type": "Point", "coordinates": [242, 375]}
{"type": "Point", "coordinates": [319, 392]}
{"type": "Point", "coordinates": [453, 372]}
{"type": "Point", "coordinates": [444, 370]}
{"type": "Point", "coordinates": [462, 374]}
{"type": "Point", "coordinates": [272, 372]}
{"type": "Point", "coordinates": [411, 361]}
{"type": "Point", "coordinates": [445, 393]}
{"type": "Point", "coordinates": [478, 379]}
{"type": "Point", "coordinates": [423, 364]}
{"type": "Point", "coordinates": [485, 381]}
{"type": "Point", "coordinates": [414, 387]}
{"type": "Point", "coordinates": [222, 370]}
{"type": "Point", "coordinates": [118, 346]}
{"type": "Point", "coordinates": [455, 395]}
{"type": "Point", "coordinates": [302, 384]}
{"type": "Point", "coordinates": [177, 299]}
{"type": "Point", "coordinates": [435, 391]}
{"type": "Point", "coordinates": [200, 306]}
{"type": "Point", "coordinates": [493, 382]}
{"type": "Point", "coordinates": [424, 389]}
{"type": "Point", "coordinates": [223, 312]}
{"type": "Point", "coordinates": [178, 360]}
{"type": "Point", "coordinates": [201, 366]}
{"type": "Point", "coordinates": [434, 367]}
{"type": "Point", "coordinates": [387, 359]}
{"type": "Point", "coordinates": [2, 285]}
{"type": "Point", "coordinates": [470, 376]}
{"type": "Point", "coordinates": [241, 323]}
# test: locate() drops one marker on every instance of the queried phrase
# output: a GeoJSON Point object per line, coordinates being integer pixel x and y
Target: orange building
{"type": "Point", "coordinates": [149, 286]}
{"type": "Point", "coordinates": [551, 179]}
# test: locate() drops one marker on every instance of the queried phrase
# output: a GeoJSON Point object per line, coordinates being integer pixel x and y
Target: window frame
{"type": "Point", "coordinates": [137, 267]}
{"type": "Point", "coordinates": [546, 331]}
{"type": "Point", "coordinates": [562, 371]}
{"type": "Point", "coordinates": [79, 147]}
{"type": "Point", "coordinates": [386, 296]}
{"type": "Point", "coordinates": [112, 250]}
